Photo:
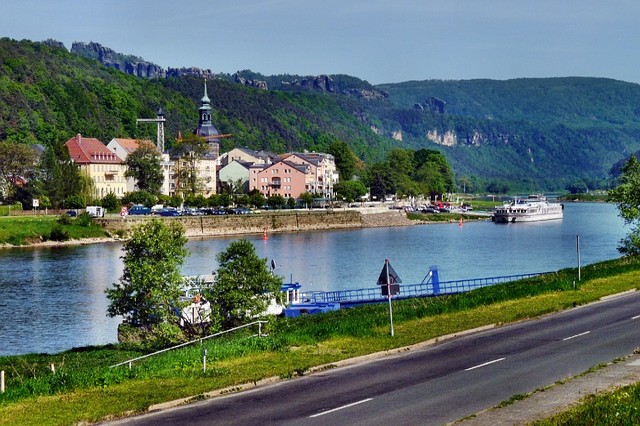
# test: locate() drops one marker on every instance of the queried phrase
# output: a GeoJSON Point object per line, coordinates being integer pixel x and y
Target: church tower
{"type": "Point", "coordinates": [205, 127]}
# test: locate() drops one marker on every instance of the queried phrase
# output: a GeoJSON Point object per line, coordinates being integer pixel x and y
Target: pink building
{"type": "Point", "coordinates": [322, 174]}
{"type": "Point", "coordinates": [282, 178]}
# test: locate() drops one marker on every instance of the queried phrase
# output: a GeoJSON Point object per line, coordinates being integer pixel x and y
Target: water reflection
{"type": "Point", "coordinates": [52, 299]}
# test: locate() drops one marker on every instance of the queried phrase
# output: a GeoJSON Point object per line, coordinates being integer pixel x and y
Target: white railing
{"type": "Point", "coordinates": [220, 333]}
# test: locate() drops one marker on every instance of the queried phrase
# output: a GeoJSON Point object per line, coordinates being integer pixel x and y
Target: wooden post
{"type": "Point", "coordinates": [53, 368]}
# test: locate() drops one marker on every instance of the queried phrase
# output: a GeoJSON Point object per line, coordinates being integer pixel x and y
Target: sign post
{"type": "Point", "coordinates": [389, 282]}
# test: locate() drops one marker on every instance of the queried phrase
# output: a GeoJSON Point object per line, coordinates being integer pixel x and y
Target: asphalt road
{"type": "Point", "coordinates": [435, 384]}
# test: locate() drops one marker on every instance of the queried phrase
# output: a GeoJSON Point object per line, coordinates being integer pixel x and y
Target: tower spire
{"type": "Point", "coordinates": [205, 98]}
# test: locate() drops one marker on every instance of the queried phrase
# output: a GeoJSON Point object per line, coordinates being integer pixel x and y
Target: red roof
{"type": "Point", "coordinates": [90, 151]}
{"type": "Point", "coordinates": [131, 145]}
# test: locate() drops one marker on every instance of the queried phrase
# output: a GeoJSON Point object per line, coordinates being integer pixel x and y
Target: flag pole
{"type": "Point", "coordinates": [386, 261]}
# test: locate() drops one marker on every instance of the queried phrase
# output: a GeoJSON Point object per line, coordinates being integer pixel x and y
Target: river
{"type": "Point", "coordinates": [52, 298]}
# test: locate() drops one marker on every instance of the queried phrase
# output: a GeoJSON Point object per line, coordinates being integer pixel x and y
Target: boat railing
{"type": "Point", "coordinates": [409, 290]}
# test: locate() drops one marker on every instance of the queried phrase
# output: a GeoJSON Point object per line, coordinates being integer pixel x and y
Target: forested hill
{"type": "Point", "coordinates": [534, 133]}
{"type": "Point", "coordinates": [48, 95]}
{"type": "Point", "coordinates": [524, 134]}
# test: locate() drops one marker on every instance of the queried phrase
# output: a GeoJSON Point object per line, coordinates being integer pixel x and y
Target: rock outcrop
{"type": "Point", "coordinates": [432, 104]}
{"type": "Point", "coordinates": [131, 64]}
{"type": "Point", "coordinates": [260, 84]}
{"type": "Point", "coordinates": [322, 83]}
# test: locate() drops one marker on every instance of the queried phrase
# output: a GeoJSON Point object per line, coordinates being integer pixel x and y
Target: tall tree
{"type": "Point", "coordinates": [244, 285]}
{"type": "Point", "coordinates": [145, 166]}
{"type": "Point", "coordinates": [350, 190]}
{"type": "Point", "coordinates": [627, 197]}
{"type": "Point", "coordinates": [16, 161]}
{"type": "Point", "coordinates": [150, 286]}
{"type": "Point", "coordinates": [346, 160]}
{"type": "Point", "coordinates": [190, 149]}
{"type": "Point", "coordinates": [60, 177]}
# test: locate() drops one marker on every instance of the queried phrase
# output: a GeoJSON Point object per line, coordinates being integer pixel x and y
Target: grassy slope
{"type": "Point", "coordinates": [21, 230]}
{"type": "Point", "coordinates": [293, 347]}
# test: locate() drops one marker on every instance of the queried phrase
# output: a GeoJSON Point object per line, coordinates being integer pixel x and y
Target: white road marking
{"type": "Point", "coordinates": [576, 335]}
{"type": "Point", "coordinates": [484, 365]}
{"type": "Point", "coordinates": [636, 317]}
{"type": "Point", "coordinates": [340, 408]}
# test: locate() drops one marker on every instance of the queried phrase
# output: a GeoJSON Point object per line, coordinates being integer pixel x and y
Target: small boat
{"type": "Point", "coordinates": [534, 208]}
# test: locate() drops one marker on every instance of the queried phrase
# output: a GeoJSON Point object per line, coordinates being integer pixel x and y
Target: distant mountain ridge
{"type": "Point", "coordinates": [534, 134]}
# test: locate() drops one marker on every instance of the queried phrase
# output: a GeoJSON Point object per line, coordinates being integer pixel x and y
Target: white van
{"type": "Point", "coordinates": [95, 211]}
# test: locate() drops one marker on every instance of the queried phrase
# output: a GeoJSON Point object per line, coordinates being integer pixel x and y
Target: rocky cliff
{"type": "Point", "coordinates": [131, 64]}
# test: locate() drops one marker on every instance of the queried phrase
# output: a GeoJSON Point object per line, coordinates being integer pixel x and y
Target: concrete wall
{"type": "Point", "coordinates": [249, 223]}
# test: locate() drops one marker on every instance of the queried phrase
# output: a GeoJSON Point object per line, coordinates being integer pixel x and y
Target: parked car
{"type": "Point", "coordinates": [138, 209]}
{"type": "Point", "coordinates": [169, 211]}
{"type": "Point", "coordinates": [71, 213]}
{"type": "Point", "coordinates": [241, 210]}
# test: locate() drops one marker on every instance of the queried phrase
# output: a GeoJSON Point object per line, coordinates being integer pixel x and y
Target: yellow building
{"type": "Point", "coordinates": [102, 165]}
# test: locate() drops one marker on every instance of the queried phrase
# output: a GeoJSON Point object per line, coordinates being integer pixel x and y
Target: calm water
{"type": "Point", "coordinates": [52, 299]}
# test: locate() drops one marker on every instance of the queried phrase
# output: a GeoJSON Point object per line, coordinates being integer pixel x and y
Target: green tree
{"type": "Point", "coordinates": [190, 149]}
{"type": "Point", "coordinates": [16, 161]}
{"type": "Point", "coordinates": [346, 160]}
{"type": "Point", "coordinates": [257, 199]}
{"type": "Point", "coordinates": [145, 166]}
{"type": "Point", "coordinates": [306, 198]}
{"type": "Point", "coordinates": [350, 190]}
{"type": "Point", "coordinates": [276, 201]}
{"type": "Point", "coordinates": [150, 286]}
{"type": "Point", "coordinates": [244, 285]}
{"type": "Point", "coordinates": [627, 198]}
{"type": "Point", "coordinates": [110, 202]}
{"type": "Point", "coordinates": [381, 180]}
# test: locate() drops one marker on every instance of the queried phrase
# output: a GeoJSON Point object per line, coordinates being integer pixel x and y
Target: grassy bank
{"type": "Point", "coordinates": [24, 230]}
{"type": "Point", "coordinates": [83, 388]}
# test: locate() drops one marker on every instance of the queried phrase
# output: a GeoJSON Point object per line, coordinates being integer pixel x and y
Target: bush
{"type": "Point", "coordinates": [58, 234]}
{"type": "Point", "coordinates": [84, 219]}
{"type": "Point", "coordinates": [64, 219]}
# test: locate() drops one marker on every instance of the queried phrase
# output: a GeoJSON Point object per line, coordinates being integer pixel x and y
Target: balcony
{"type": "Point", "coordinates": [276, 183]}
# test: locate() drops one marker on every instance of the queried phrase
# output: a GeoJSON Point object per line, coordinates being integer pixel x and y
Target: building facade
{"type": "Point", "coordinates": [283, 178]}
{"type": "Point", "coordinates": [322, 175]}
{"type": "Point", "coordinates": [102, 165]}
{"type": "Point", "coordinates": [123, 147]}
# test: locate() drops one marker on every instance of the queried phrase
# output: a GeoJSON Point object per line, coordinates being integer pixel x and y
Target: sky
{"type": "Point", "coordinates": [377, 41]}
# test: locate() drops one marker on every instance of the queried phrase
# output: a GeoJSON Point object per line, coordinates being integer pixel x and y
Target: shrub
{"type": "Point", "coordinates": [64, 219]}
{"type": "Point", "coordinates": [84, 219]}
{"type": "Point", "coordinates": [58, 234]}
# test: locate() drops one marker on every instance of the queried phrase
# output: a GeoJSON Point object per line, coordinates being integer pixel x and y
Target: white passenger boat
{"type": "Point", "coordinates": [531, 209]}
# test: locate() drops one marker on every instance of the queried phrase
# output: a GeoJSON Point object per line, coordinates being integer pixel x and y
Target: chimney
{"type": "Point", "coordinates": [78, 138]}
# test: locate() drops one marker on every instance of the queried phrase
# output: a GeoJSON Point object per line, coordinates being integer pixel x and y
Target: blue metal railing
{"type": "Point", "coordinates": [368, 295]}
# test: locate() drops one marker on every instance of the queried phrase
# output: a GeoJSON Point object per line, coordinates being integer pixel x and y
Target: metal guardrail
{"type": "Point", "coordinates": [373, 294]}
{"type": "Point", "coordinates": [220, 333]}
